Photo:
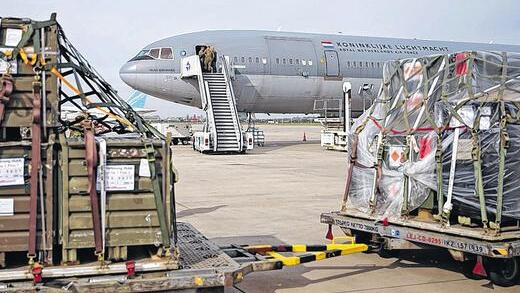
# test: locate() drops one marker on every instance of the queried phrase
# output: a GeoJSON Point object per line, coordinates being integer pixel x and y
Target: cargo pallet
{"type": "Point", "coordinates": [469, 245]}
{"type": "Point", "coordinates": [202, 264]}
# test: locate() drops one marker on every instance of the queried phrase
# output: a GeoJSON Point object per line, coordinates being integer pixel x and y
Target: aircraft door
{"type": "Point", "coordinates": [331, 63]}
{"type": "Point", "coordinates": [293, 68]}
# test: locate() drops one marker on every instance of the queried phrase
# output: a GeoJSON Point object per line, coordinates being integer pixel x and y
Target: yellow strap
{"type": "Point", "coordinates": [23, 55]}
{"type": "Point", "coordinates": [77, 92]}
{"type": "Point", "coordinates": [25, 60]}
{"type": "Point", "coordinates": [42, 60]}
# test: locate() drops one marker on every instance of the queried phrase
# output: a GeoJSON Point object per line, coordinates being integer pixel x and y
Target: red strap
{"type": "Point", "coordinates": [35, 166]}
{"type": "Point", "coordinates": [5, 92]}
{"type": "Point", "coordinates": [419, 129]}
{"type": "Point", "coordinates": [353, 159]}
{"type": "Point", "coordinates": [91, 159]}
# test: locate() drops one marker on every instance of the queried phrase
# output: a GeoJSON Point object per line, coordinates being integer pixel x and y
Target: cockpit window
{"type": "Point", "coordinates": [154, 53]}
{"type": "Point", "coordinates": [166, 53]}
{"type": "Point", "coordinates": [142, 55]}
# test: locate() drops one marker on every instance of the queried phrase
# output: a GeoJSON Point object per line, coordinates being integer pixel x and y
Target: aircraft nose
{"type": "Point", "coordinates": [128, 73]}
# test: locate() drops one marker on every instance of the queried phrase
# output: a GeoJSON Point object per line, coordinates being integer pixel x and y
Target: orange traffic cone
{"type": "Point", "coordinates": [304, 137]}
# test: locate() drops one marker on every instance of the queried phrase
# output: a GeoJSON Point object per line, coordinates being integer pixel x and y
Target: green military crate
{"type": "Point", "coordinates": [131, 212]}
{"type": "Point", "coordinates": [14, 34]}
{"type": "Point", "coordinates": [15, 164]}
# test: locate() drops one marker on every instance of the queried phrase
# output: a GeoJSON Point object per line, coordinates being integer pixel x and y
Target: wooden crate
{"type": "Point", "coordinates": [18, 112]}
{"type": "Point", "coordinates": [131, 215]}
{"type": "Point", "coordinates": [14, 222]}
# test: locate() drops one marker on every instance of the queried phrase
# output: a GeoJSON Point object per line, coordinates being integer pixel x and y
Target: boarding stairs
{"type": "Point", "coordinates": [225, 116]}
{"type": "Point", "coordinates": [218, 101]}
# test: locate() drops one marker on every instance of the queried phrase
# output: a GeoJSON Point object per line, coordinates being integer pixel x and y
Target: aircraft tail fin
{"type": "Point", "coordinates": [137, 100]}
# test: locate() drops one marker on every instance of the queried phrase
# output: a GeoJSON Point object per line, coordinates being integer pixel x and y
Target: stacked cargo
{"type": "Point", "coordinates": [440, 143]}
{"type": "Point", "coordinates": [81, 173]}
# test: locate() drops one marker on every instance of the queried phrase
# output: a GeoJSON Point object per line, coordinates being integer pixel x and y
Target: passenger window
{"type": "Point", "coordinates": [243, 59]}
{"type": "Point", "coordinates": [372, 64]}
{"type": "Point", "coordinates": [257, 60]}
{"type": "Point", "coordinates": [166, 53]}
{"type": "Point", "coordinates": [348, 63]}
{"type": "Point", "coordinates": [378, 64]}
{"type": "Point", "coordinates": [154, 53]}
{"type": "Point", "coordinates": [354, 64]}
{"type": "Point", "coordinates": [360, 64]}
{"type": "Point", "coordinates": [297, 61]}
{"type": "Point", "coordinates": [235, 59]}
{"type": "Point", "coordinates": [277, 60]}
{"type": "Point", "coordinates": [250, 59]}
{"type": "Point", "coordinates": [366, 64]}
{"type": "Point", "coordinates": [290, 61]}
{"type": "Point", "coordinates": [310, 62]}
{"type": "Point", "coordinates": [284, 61]}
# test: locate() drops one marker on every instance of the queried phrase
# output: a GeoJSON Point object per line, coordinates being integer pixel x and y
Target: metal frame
{"type": "Point", "coordinates": [505, 245]}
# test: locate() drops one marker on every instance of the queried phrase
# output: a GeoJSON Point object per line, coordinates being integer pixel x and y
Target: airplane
{"type": "Point", "coordinates": [282, 72]}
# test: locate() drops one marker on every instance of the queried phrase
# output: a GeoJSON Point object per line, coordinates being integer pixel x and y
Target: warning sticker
{"type": "Point", "coordinates": [119, 177]}
{"type": "Point", "coordinates": [11, 171]}
{"type": "Point", "coordinates": [395, 156]}
{"type": "Point", "coordinates": [6, 207]}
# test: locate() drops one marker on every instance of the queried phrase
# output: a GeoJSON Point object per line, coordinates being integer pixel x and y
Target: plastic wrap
{"type": "Point", "coordinates": [398, 135]}
{"type": "Point", "coordinates": [466, 201]}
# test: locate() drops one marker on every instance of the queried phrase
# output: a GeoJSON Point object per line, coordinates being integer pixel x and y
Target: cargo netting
{"type": "Point", "coordinates": [83, 93]}
{"type": "Point", "coordinates": [443, 134]}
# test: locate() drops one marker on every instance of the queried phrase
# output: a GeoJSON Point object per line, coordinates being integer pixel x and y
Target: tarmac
{"type": "Point", "coordinates": [275, 194]}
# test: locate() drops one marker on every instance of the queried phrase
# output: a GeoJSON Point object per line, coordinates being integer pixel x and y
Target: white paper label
{"type": "Point", "coordinates": [485, 111]}
{"type": "Point", "coordinates": [4, 64]}
{"type": "Point", "coordinates": [11, 172]}
{"type": "Point", "coordinates": [119, 177]}
{"type": "Point", "coordinates": [6, 207]}
{"type": "Point", "coordinates": [467, 114]}
{"type": "Point", "coordinates": [13, 37]}
{"type": "Point", "coordinates": [144, 168]}
{"type": "Point", "coordinates": [484, 123]}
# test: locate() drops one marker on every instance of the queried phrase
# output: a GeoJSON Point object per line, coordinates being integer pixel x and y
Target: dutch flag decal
{"type": "Point", "coordinates": [327, 44]}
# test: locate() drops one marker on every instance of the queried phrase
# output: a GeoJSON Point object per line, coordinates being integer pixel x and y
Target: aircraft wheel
{"type": "Point", "coordinates": [175, 141]}
{"type": "Point", "coordinates": [184, 142]}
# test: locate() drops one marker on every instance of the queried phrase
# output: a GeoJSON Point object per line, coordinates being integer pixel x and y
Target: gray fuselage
{"type": "Point", "coordinates": [282, 72]}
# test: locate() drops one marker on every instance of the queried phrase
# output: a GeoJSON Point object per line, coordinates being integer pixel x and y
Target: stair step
{"type": "Point", "coordinates": [226, 130]}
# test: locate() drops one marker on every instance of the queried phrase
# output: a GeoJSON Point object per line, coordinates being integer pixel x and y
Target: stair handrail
{"type": "Point", "coordinates": [230, 93]}
{"type": "Point", "coordinates": [209, 113]}
{"type": "Point", "coordinates": [190, 66]}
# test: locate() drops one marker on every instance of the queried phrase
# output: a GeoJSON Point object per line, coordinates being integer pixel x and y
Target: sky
{"type": "Point", "coordinates": [109, 33]}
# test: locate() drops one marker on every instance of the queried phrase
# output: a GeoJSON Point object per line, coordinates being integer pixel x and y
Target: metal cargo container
{"type": "Point", "coordinates": [15, 162]}
{"type": "Point", "coordinates": [29, 102]}
{"type": "Point", "coordinates": [25, 70]}
{"type": "Point", "coordinates": [131, 217]}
